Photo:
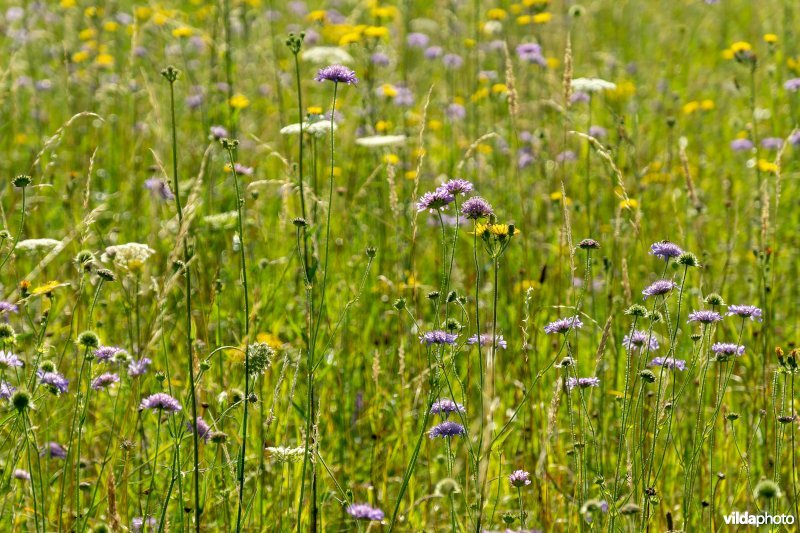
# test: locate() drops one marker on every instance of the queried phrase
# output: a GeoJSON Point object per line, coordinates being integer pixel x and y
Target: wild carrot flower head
{"type": "Point", "coordinates": [337, 74]}
{"type": "Point", "coordinates": [563, 325]}
{"type": "Point", "coordinates": [639, 339]}
{"type": "Point", "coordinates": [669, 362]}
{"type": "Point", "coordinates": [665, 250]}
{"type": "Point", "coordinates": [475, 208]}
{"type": "Point", "coordinates": [438, 337]}
{"type": "Point", "coordinates": [704, 316]}
{"type": "Point", "coordinates": [161, 401]}
{"type": "Point", "coordinates": [745, 311]}
{"type": "Point", "coordinates": [362, 511]}
{"type": "Point", "coordinates": [446, 429]}
{"type": "Point", "coordinates": [519, 478]}
{"type": "Point", "coordinates": [445, 406]}
{"type": "Point", "coordinates": [582, 382]}
{"type": "Point", "coordinates": [659, 288]}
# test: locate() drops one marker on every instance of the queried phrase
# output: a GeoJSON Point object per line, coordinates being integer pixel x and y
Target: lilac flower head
{"type": "Point", "coordinates": [669, 362]}
{"type": "Point", "coordinates": [160, 401]}
{"type": "Point", "coordinates": [771, 143]}
{"type": "Point", "coordinates": [219, 132]}
{"type": "Point", "coordinates": [54, 450]}
{"type": "Point", "coordinates": [582, 382]}
{"type": "Point", "coordinates": [138, 368]}
{"type": "Point", "coordinates": [445, 406]}
{"type": "Point", "coordinates": [437, 199]}
{"type": "Point", "coordinates": [6, 390]}
{"type": "Point", "coordinates": [138, 523]}
{"type": "Point", "coordinates": [794, 138]}
{"type": "Point", "coordinates": [452, 61]}
{"type": "Point", "coordinates": [457, 186]}
{"type": "Point", "coordinates": [404, 97]}
{"type": "Point", "coordinates": [438, 337]}
{"type": "Point", "coordinates": [380, 59]}
{"type": "Point", "coordinates": [433, 52]}
{"type": "Point", "coordinates": [665, 250]}
{"type": "Point", "coordinates": [456, 112]}
{"type": "Point", "coordinates": [9, 360]}
{"type": "Point", "coordinates": [446, 429]}
{"type": "Point", "coordinates": [476, 207]}
{"type": "Point", "coordinates": [362, 511]}
{"type": "Point", "coordinates": [519, 478]}
{"type": "Point", "coordinates": [704, 316]}
{"type": "Point", "coordinates": [658, 288]}
{"type": "Point", "coordinates": [745, 311]}
{"type": "Point", "coordinates": [21, 475]}
{"type": "Point", "coordinates": [741, 145]}
{"type": "Point", "coordinates": [203, 429]}
{"type": "Point", "coordinates": [566, 156]}
{"type": "Point", "coordinates": [563, 325]}
{"type": "Point", "coordinates": [727, 349]}
{"type": "Point", "coordinates": [57, 383]}
{"type": "Point", "coordinates": [417, 40]}
{"type": "Point", "coordinates": [579, 97]}
{"type": "Point", "coordinates": [486, 340]}
{"type": "Point", "coordinates": [7, 308]}
{"type": "Point", "coordinates": [598, 132]}
{"type": "Point", "coordinates": [792, 85]}
{"type": "Point", "coordinates": [639, 339]}
{"type": "Point", "coordinates": [104, 381]}
{"type": "Point", "coordinates": [532, 53]}
{"type": "Point", "coordinates": [107, 354]}
{"type": "Point", "coordinates": [337, 74]}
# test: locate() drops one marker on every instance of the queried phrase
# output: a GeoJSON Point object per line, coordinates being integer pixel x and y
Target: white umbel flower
{"type": "Point", "coordinates": [31, 246]}
{"type": "Point", "coordinates": [326, 55]}
{"type": "Point", "coordinates": [592, 85]}
{"type": "Point", "coordinates": [379, 141]}
{"type": "Point", "coordinates": [131, 255]}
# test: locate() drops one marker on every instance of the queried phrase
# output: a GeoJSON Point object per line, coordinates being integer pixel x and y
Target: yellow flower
{"type": "Point", "coordinates": [388, 90]}
{"type": "Point", "coordinates": [318, 15]}
{"type": "Point", "coordinates": [542, 18]}
{"type": "Point", "coordinates": [727, 54]}
{"type": "Point", "coordinates": [20, 138]}
{"type": "Point", "coordinates": [47, 288]}
{"type": "Point", "coordinates": [532, 3]}
{"type": "Point", "coordinates": [740, 46]}
{"type": "Point", "coordinates": [496, 14]}
{"type": "Point", "coordinates": [469, 43]}
{"type": "Point", "coordinates": [384, 12]}
{"type": "Point", "coordinates": [499, 88]}
{"type": "Point", "coordinates": [376, 31]}
{"type": "Point", "coordinates": [110, 26]}
{"type": "Point", "coordinates": [269, 338]}
{"type": "Point", "coordinates": [515, 9]}
{"type": "Point", "coordinates": [391, 159]}
{"type": "Point", "coordinates": [66, 4]}
{"type": "Point", "coordinates": [80, 57]}
{"type": "Point", "coordinates": [143, 13]}
{"type": "Point", "coordinates": [434, 125]}
{"type": "Point", "coordinates": [630, 203]}
{"type": "Point", "coordinates": [182, 31]}
{"type": "Point", "coordinates": [767, 166]}
{"type": "Point", "coordinates": [690, 107]}
{"type": "Point", "coordinates": [524, 20]}
{"type": "Point", "coordinates": [624, 90]}
{"type": "Point", "coordinates": [350, 38]}
{"type": "Point", "coordinates": [239, 101]}
{"type": "Point", "coordinates": [105, 60]}
{"type": "Point", "coordinates": [411, 174]}
{"type": "Point", "coordinates": [770, 38]}
{"type": "Point", "coordinates": [553, 63]}
{"type": "Point", "coordinates": [88, 33]}
{"type": "Point", "coordinates": [314, 110]}
{"type": "Point", "coordinates": [480, 94]}
{"type": "Point", "coordinates": [707, 105]}
{"type": "Point", "coordinates": [383, 125]}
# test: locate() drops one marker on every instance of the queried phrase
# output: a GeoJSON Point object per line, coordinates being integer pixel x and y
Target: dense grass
{"type": "Point", "coordinates": [314, 260]}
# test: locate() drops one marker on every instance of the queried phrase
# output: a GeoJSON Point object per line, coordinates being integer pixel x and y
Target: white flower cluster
{"type": "Point", "coordinates": [130, 255]}
{"type": "Point", "coordinates": [30, 246]}
{"type": "Point", "coordinates": [282, 454]}
{"type": "Point", "coordinates": [592, 85]}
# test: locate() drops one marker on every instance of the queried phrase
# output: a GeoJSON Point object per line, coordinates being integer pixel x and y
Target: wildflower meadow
{"type": "Point", "coordinates": [399, 265]}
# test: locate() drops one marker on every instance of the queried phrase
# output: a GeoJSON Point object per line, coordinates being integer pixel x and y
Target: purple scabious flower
{"type": "Point", "coordinates": [445, 406]}
{"type": "Point", "coordinates": [57, 383]}
{"type": "Point", "coordinates": [669, 362]}
{"type": "Point", "coordinates": [452, 61]}
{"type": "Point", "coordinates": [727, 349]}
{"type": "Point", "coordinates": [582, 382]}
{"type": "Point", "coordinates": [404, 97]}
{"type": "Point", "coordinates": [362, 511]}
{"type": "Point", "coordinates": [455, 112]}
{"type": "Point", "coordinates": [792, 85]}
{"type": "Point", "coordinates": [138, 523]}
{"type": "Point", "coordinates": [486, 340]}
{"type": "Point", "coordinates": [433, 52]}
{"type": "Point", "coordinates": [22, 475]}
{"type": "Point", "coordinates": [563, 325]}
{"type": "Point", "coordinates": [532, 53]}
{"type": "Point", "coordinates": [6, 390]}
{"type": "Point", "coordinates": [704, 316]}
{"type": "Point", "coordinates": [519, 478]}
{"type": "Point", "coordinates": [437, 199]}
{"type": "Point", "coordinates": [218, 132]}
{"type": "Point", "coordinates": [446, 429]}
{"type": "Point", "coordinates": [162, 402]}
{"type": "Point", "coordinates": [9, 360]}
{"type": "Point", "coordinates": [203, 429]}
{"type": "Point", "coordinates": [658, 288]}
{"type": "Point", "coordinates": [417, 40]}
{"type": "Point", "coordinates": [159, 188]}
{"type": "Point", "coordinates": [579, 97]}
{"type": "Point", "coordinates": [476, 207]}
{"type": "Point", "coordinates": [7, 308]}
{"type": "Point", "coordinates": [794, 138]}
{"type": "Point", "coordinates": [566, 156]}
{"type": "Point", "coordinates": [337, 74]}
{"type": "Point", "coordinates": [639, 339]}
{"type": "Point", "coordinates": [106, 354]}
{"type": "Point", "coordinates": [457, 186]}
{"type": "Point", "coordinates": [53, 450]}
{"type": "Point", "coordinates": [745, 311]}
{"type": "Point", "coordinates": [138, 368]}
{"type": "Point", "coordinates": [741, 145]}
{"type": "Point", "coordinates": [598, 132]}
{"type": "Point", "coordinates": [380, 59]}
{"type": "Point", "coordinates": [771, 143]}
{"type": "Point", "coordinates": [104, 381]}
{"type": "Point", "coordinates": [525, 159]}
{"type": "Point", "coordinates": [665, 250]}
{"type": "Point", "coordinates": [438, 337]}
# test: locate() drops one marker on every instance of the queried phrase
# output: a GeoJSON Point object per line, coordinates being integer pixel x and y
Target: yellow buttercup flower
{"type": "Point", "coordinates": [741, 46]}
{"type": "Point", "coordinates": [388, 90]}
{"type": "Point", "coordinates": [376, 31]}
{"type": "Point", "coordinates": [110, 26]}
{"type": "Point", "coordinates": [690, 107]}
{"type": "Point", "coordinates": [542, 18]}
{"type": "Point", "coordinates": [314, 110]}
{"type": "Point", "coordinates": [88, 33]}
{"type": "Point", "coordinates": [499, 88]}
{"type": "Point", "coordinates": [630, 203]}
{"type": "Point", "coordinates": [182, 31]}
{"type": "Point", "coordinates": [707, 105]}
{"type": "Point", "coordinates": [384, 12]}
{"type": "Point", "coordinates": [770, 38]}
{"type": "Point", "coordinates": [105, 60]}
{"type": "Point", "coordinates": [391, 159]}
{"type": "Point", "coordinates": [496, 14]}
{"type": "Point", "coordinates": [524, 20]}
{"type": "Point", "coordinates": [383, 125]}
{"type": "Point", "coordinates": [239, 101]}
{"type": "Point", "coordinates": [318, 15]}
{"type": "Point", "coordinates": [767, 166]}
{"type": "Point", "coordinates": [80, 57]}
{"type": "Point", "coordinates": [48, 287]}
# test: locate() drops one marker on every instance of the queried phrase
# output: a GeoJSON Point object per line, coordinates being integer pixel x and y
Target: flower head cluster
{"type": "Point", "coordinates": [592, 85]}
{"type": "Point", "coordinates": [53, 380]}
{"type": "Point", "coordinates": [669, 362]}
{"type": "Point", "coordinates": [129, 256]}
{"type": "Point", "coordinates": [203, 429]}
{"type": "Point", "coordinates": [107, 354]}
{"type": "Point", "coordinates": [438, 336]}
{"type": "Point", "coordinates": [519, 478]}
{"type": "Point", "coordinates": [337, 74]}
{"type": "Point", "coordinates": [704, 316]}
{"type": "Point", "coordinates": [283, 455]}
{"type": "Point", "coordinates": [445, 406]}
{"type": "Point", "coordinates": [7, 307]}
{"type": "Point", "coordinates": [446, 429]}
{"type": "Point", "coordinates": [362, 511]}
{"type": "Point", "coordinates": [104, 381]}
{"type": "Point", "coordinates": [532, 53]}
{"type": "Point", "coordinates": [665, 250]}
{"type": "Point", "coordinates": [563, 325]}
{"type": "Point", "coordinates": [54, 450]}
{"type": "Point", "coordinates": [476, 207]}
{"type": "Point", "coordinates": [6, 390]}
{"type": "Point", "coordinates": [639, 339]}
{"type": "Point", "coordinates": [725, 350]}
{"type": "Point", "coordinates": [659, 288]}
{"type": "Point", "coordinates": [9, 360]}
{"type": "Point", "coordinates": [582, 382]}
{"type": "Point", "coordinates": [745, 311]}
{"type": "Point", "coordinates": [139, 368]}
{"type": "Point", "coordinates": [486, 340]}
{"type": "Point", "coordinates": [438, 199]}
{"type": "Point", "coordinates": [161, 401]}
